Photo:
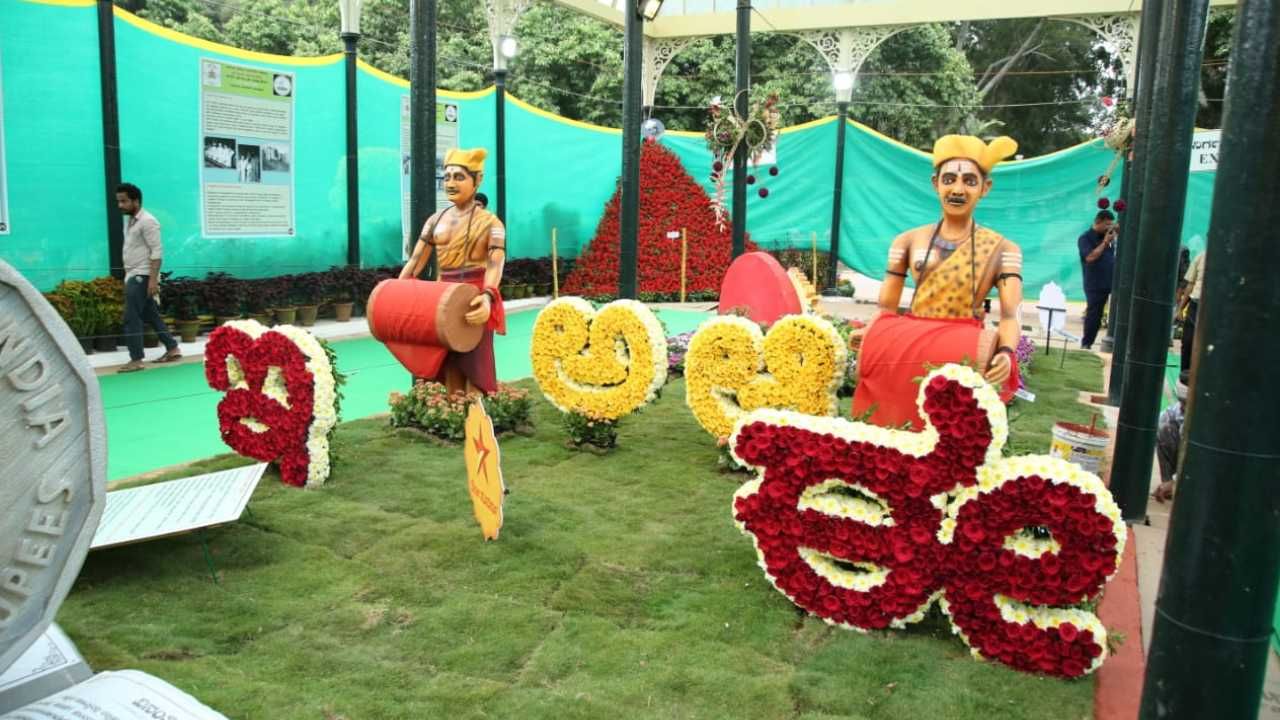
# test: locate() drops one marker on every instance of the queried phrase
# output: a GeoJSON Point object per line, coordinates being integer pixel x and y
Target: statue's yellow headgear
{"type": "Point", "coordinates": [949, 147]}
{"type": "Point", "coordinates": [472, 160]}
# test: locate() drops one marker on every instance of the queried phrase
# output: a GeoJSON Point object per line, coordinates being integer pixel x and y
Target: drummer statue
{"type": "Point", "coordinates": [954, 263]}
{"type": "Point", "coordinates": [470, 245]}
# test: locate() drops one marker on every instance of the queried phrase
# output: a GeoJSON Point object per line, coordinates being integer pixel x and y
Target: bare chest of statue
{"type": "Point", "coordinates": [452, 226]}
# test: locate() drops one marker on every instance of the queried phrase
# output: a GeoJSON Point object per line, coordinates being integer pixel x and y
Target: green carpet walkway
{"type": "Point", "coordinates": [168, 415]}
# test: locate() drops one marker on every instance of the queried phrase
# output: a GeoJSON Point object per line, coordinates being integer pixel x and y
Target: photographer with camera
{"type": "Point", "coordinates": [1098, 261]}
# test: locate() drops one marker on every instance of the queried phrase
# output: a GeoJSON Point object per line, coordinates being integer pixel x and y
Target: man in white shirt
{"type": "Point", "coordinates": [142, 254]}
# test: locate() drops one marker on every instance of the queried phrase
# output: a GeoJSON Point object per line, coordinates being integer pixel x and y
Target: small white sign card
{"type": "Point", "coordinates": [121, 695]}
{"type": "Point", "coordinates": [177, 506]}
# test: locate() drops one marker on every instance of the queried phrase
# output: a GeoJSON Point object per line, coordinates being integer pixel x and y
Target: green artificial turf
{"type": "Point", "coordinates": [619, 588]}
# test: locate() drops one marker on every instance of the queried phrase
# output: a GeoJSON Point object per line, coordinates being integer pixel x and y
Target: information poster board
{"type": "Point", "coordinates": [246, 151]}
{"type": "Point", "coordinates": [4, 181]}
{"type": "Point", "coordinates": [446, 140]}
{"type": "Point", "coordinates": [1204, 150]}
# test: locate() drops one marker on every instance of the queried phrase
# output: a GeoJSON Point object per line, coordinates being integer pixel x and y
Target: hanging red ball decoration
{"type": "Point", "coordinates": [1120, 205]}
{"type": "Point", "coordinates": [764, 192]}
{"type": "Point", "coordinates": [717, 166]}
{"type": "Point", "coordinates": [773, 170]}
{"type": "Point", "coordinates": [1104, 203]}
{"type": "Point", "coordinates": [751, 179]}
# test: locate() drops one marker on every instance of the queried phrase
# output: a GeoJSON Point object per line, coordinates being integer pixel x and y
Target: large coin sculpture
{"type": "Point", "coordinates": [52, 462]}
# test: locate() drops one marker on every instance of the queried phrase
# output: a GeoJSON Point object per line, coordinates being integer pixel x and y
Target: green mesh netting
{"type": "Point", "coordinates": [559, 172]}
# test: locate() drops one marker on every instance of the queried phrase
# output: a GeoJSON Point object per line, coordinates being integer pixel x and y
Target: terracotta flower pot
{"type": "Point", "coordinates": [342, 311]}
{"type": "Point", "coordinates": [286, 316]}
{"type": "Point", "coordinates": [188, 329]}
{"type": "Point", "coordinates": [307, 315]}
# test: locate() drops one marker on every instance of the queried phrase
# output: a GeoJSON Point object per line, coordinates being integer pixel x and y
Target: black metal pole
{"type": "Point", "coordinates": [1108, 340]}
{"type": "Point", "coordinates": [422, 121]}
{"type": "Point", "coordinates": [741, 105]}
{"type": "Point", "coordinates": [1173, 110]}
{"type": "Point", "coordinates": [1213, 620]}
{"type": "Point", "coordinates": [629, 221]}
{"type": "Point", "coordinates": [842, 117]}
{"type": "Point", "coordinates": [500, 119]}
{"type": "Point", "coordinates": [1127, 248]}
{"type": "Point", "coordinates": [349, 40]}
{"type": "Point", "coordinates": [110, 135]}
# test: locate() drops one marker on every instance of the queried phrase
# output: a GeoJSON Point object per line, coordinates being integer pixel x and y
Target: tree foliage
{"type": "Point", "coordinates": [1040, 81]}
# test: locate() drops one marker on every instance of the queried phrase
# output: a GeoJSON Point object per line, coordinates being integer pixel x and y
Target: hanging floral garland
{"type": "Point", "coordinates": [727, 131]}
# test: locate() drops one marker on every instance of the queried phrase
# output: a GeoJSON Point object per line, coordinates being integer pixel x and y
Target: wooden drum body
{"type": "Point", "coordinates": [422, 321]}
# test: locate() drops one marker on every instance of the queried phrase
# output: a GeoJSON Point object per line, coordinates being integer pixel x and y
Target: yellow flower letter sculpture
{"type": "Point", "coordinates": [733, 368]}
{"type": "Point", "coordinates": [604, 364]}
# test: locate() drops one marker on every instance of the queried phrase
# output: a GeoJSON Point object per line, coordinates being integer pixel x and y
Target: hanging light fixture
{"type": "Point", "coordinates": [649, 8]}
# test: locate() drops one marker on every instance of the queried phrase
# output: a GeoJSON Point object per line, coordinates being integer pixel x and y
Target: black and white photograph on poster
{"type": "Point", "coordinates": [220, 152]}
{"type": "Point", "coordinates": [275, 158]}
{"type": "Point", "coordinates": [4, 182]}
{"type": "Point", "coordinates": [247, 150]}
{"type": "Point", "coordinates": [249, 162]}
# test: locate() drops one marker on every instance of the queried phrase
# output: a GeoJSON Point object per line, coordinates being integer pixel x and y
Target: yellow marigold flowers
{"type": "Point", "coordinates": [733, 368]}
{"type": "Point", "coordinates": [604, 364]}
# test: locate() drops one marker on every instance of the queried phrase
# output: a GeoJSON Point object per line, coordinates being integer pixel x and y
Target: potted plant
{"type": "Point", "coordinates": [84, 311]}
{"type": "Point", "coordinates": [66, 310]}
{"type": "Point", "coordinates": [308, 291]}
{"type": "Point", "coordinates": [278, 293]}
{"type": "Point", "coordinates": [258, 299]}
{"type": "Point", "coordinates": [109, 292]}
{"type": "Point", "coordinates": [342, 283]}
{"type": "Point", "coordinates": [223, 295]}
{"type": "Point", "coordinates": [182, 297]}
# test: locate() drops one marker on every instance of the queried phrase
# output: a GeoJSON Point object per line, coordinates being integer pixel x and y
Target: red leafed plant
{"type": "Point", "coordinates": [670, 199]}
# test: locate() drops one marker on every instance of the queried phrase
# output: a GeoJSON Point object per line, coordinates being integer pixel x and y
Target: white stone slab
{"type": "Point", "coordinates": [176, 506]}
{"type": "Point", "coordinates": [52, 664]}
{"type": "Point", "coordinates": [122, 695]}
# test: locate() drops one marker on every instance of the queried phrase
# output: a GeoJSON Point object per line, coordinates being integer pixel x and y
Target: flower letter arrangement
{"type": "Point", "coordinates": [281, 396]}
{"type": "Point", "coordinates": [865, 527]}
{"type": "Point", "coordinates": [733, 368]}
{"type": "Point", "coordinates": [601, 364]}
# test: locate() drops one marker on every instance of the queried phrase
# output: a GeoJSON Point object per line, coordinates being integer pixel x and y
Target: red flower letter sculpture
{"type": "Point", "coordinates": [280, 397]}
{"type": "Point", "coordinates": [865, 527]}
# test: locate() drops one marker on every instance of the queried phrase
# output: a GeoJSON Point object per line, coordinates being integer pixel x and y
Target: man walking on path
{"type": "Point", "coordinates": [142, 255]}
{"type": "Point", "coordinates": [1098, 261]}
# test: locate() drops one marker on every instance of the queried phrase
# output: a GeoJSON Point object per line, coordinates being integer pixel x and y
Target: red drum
{"type": "Point", "coordinates": [893, 356]}
{"type": "Point", "coordinates": [758, 282]}
{"type": "Point", "coordinates": [421, 321]}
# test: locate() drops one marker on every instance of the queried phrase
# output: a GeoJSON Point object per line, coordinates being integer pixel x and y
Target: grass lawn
{"type": "Point", "coordinates": [619, 588]}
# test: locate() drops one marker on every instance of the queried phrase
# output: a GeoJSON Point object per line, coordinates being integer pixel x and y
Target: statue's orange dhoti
{"type": "Point", "coordinates": [443, 331]}
{"type": "Point", "coordinates": [955, 264]}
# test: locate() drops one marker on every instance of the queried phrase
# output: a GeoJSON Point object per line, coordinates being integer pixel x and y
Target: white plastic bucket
{"type": "Point", "coordinates": [1080, 445]}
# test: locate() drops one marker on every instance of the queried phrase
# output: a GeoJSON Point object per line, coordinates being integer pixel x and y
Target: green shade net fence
{"type": "Point", "coordinates": [560, 172]}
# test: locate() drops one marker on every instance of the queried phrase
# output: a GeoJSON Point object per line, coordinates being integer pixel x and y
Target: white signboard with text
{"type": "Point", "coordinates": [176, 506]}
{"type": "Point", "coordinates": [1204, 150]}
{"type": "Point", "coordinates": [246, 151]}
{"type": "Point", "coordinates": [446, 140]}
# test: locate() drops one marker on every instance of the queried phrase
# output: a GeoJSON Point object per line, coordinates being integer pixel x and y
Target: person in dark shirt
{"type": "Point", "coordinates": [1098, 261]}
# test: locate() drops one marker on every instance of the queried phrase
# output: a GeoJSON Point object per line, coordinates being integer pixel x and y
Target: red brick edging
{"type": "Point", "coordinates": [1118, 683]}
